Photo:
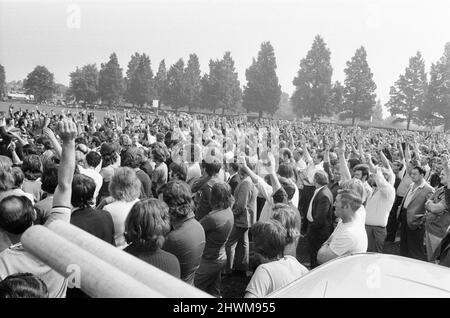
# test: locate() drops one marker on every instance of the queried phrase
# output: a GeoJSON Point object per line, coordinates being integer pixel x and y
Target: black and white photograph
{"type": "Point", "coordinates": [224, 154]}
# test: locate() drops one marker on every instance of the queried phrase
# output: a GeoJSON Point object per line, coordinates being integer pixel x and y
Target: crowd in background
{"type": "Point", "coordinates": [196, 195]}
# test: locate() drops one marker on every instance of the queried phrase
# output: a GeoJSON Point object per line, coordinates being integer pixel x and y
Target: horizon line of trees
{"type": "Point", "coordinates": [413, 98]}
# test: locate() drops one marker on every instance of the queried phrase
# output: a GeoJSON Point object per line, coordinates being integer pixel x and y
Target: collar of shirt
{"type": "Point", "coordinates": [177, 224]}
{"type": "Point", "coordinates": [318, 189]}
{"type": "Point", "coordinates": [421, 185]}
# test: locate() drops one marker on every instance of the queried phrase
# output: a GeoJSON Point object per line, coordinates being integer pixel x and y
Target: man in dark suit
{"type": "Point", "coordinates": [234, 179]}
{"type": "Point", "coordinates": [319, 216]}
{"type": "Point", "coordinates": [411, 212]}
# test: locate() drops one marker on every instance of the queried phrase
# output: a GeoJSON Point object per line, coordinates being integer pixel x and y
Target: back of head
{"type": "Point", "coordinates": [289, 217]}
{"type": "Point", "coordinates": [125, 186]}
{"type": "Point", "coordinates": [16, 214]}
{"type": "Point", "coordinates": [286, 170]}
{"type": "Point", "coordinates": [148, 223]}
{"type": "Point", "coordinates": [177, 194]}
{"type": "Point", "coordinates": [18, 177]}
{"type": "Point", "coordinates": [131, 158]}
{"type": "Point", "coordinates": [351, 198]}
{"type": "Point", "coordinates": [6, 177]}
{"type": "Point", "coordinates": [354, 185]}
{"type": "Point", "coordinates": [83, 189]}
{"type": "Point", "coordinates": [32, 167]}
{"type": "Point", "coordinates": [321, 178]}
{"type": "Point", "coordinates": [221, 197]}
{"type": "Point", "coordinates": [93, 159]}
{"type": "Point", "coordinates": [179, 169]}
{"type": "Point", "coordinates": [269, 239]}
{"type": "Point", "coordinates": [49, 177]}
{"type": "Point", "coordinates": [23, 285]}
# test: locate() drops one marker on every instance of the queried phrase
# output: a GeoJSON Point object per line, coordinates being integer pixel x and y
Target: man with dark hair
{"type": "Point", "coordinates": [410, 214]}
{"type": "Point", "coordinates": [93, 161]}
{"type": "Point", "coordinates": [161, 172]}
{"type": "Point", "coordinates": [234, 178]}
{"type": "Point", "coordinates": [187, 238]}
{"type": "Point", "coordinates": [203, 186]}
{"type": "Point", "coordinates": [361, 172]}
{"type": "Point", "coordinates": [244, 210]}
{"type": "Point", "coordinates": [177, 171]}
{"type": "Point", "coordinates": [277, 269]}
{"type": "Point", "coordinates": [96, 222]}
{"type": "Point", "coordinates": [32, 169]}
{"type": "Point", "coordinates": [23, 285]}
{"type": "Point", "coordinates": [17, 215]}
{"type": "Point", "coordinates": [49, 184]}
{"type": "Point", "coordinates": [319, 216]}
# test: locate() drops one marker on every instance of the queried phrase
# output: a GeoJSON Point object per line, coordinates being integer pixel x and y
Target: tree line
{"type": "Point", "coordinates": [413, 98]}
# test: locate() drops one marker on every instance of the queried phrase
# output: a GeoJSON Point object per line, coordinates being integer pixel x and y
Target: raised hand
{"type": "Point", "coordinates": [67, 130]}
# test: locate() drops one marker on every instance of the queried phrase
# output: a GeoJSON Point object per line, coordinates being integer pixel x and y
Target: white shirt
{"type": "Point", "coordinates": [348, 238]}
{"type": "Point", "coordinates": [98, 179]}
{"type": "Point", "coordinates": [309, 214]}
{"type": "Point", "coordinates": [119, 211]}
{"type": "Point", "coordinates": [380, 203]}
{"type": "Point", "coordinates": [266, 191]}
{"type": "Point", "coordinates": [272, 276]}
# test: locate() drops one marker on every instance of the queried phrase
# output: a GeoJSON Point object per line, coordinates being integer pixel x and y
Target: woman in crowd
{"type": "Point", "coordinates": [146, 228]}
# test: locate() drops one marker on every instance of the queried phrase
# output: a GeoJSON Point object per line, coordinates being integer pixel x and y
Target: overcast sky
{"type": "Point", "coordinates": [49, 33]}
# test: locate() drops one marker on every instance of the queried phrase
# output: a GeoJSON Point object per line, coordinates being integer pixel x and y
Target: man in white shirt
{"type": "Point", "coordinates": [276, 270]}
{"type": "Point", "coordinates": [349, 236]}
{"type": "Point", "coordinates": [377, 210]}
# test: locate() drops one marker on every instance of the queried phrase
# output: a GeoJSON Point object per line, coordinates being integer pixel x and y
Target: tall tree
{"type": "Point", "coordinates": [2, 81]}
{"type": "Point", "coordinates": [231, 87]}
{"type": "Point", "coordinates": [161, 82]}
{"type": "Point", "coordinates": [438, 95]}
{"type": "Point", "coordinates": [312, 95]}
{"type": "Point", "coordinates": [84, 84]}
{"type": "Point", "coordinates": [408, 93]}
{"type": "Point", "coordinates": [378, 111]}
{"type": "Point", "coordinates": [110, 81]}
{"type": "Point", "coordinates": [176, 86]}
{"type": "Point", "coordinates": [40, 83]}
{"type": "Point", "coordinates": [262, 92]}
{"type": "Point", "coordinates": [337, 98]}
{"type": "Point", "coordinates": [359, 91]}
{"type": "Point", "coordinates": [140, 89]}
{"type": "Point", "coordinates": [193, 81]}
{"type": "Point", "coordinates": [131, 70]}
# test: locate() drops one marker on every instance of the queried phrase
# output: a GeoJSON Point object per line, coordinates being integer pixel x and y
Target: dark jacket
{"type": "Point", "coordinates": [234, 182]}
{"type": "Point", "coordinates": [322, 213]}
{"type": "Point", "coordinates": [244, 208]}
{"type": "Point", "coordinates": [96, 222]}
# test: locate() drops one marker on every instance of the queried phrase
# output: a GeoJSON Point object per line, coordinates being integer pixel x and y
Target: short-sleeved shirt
{"type": "Point", "coordinates": [16, 259]}
{"type": "Point", "coordinates": [272, 276]}
{"type": "Point", "coordinates": [348, 238]}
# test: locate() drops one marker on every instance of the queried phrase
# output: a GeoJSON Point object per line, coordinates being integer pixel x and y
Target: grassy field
{"type": "Point", "coordinates": [99, 114]}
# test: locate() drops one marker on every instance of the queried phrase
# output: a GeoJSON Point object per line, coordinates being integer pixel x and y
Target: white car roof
{"type": "Point", "coordinates": [371, 275]}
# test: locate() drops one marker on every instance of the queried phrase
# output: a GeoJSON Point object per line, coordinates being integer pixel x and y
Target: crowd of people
{"type": "Point", "coordinates": [196, 195]}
